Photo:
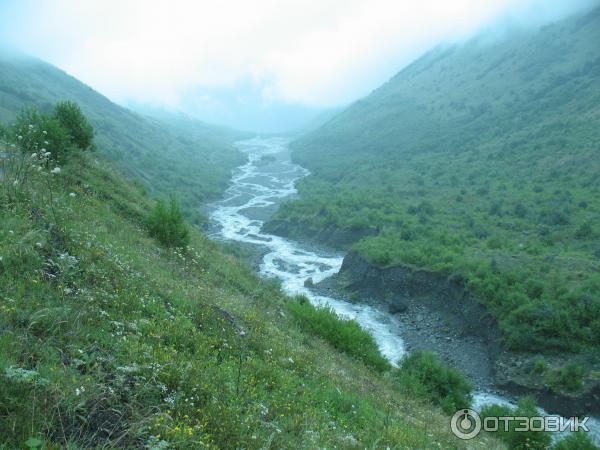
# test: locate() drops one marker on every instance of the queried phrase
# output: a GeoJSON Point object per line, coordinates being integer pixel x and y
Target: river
{"type": "Point", "coordinates": [255, 191]}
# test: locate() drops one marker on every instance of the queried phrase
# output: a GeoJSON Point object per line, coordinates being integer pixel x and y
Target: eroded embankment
{"type": "Point", "coordinates": [439, 314]}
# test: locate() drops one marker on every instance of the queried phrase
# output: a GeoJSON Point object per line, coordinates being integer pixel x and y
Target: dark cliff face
{"type": "Point", "coordinates": [449, 296]}
{"type": "Point", "coordinates": [433, 289]}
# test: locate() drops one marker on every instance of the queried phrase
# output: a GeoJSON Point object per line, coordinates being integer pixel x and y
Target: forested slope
{"type": "Point", "coordinates": [480, 160]}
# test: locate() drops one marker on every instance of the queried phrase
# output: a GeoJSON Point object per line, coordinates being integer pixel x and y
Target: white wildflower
{"type": "Point", "coordinates": [30, 126]}
{"type": "Point", "coordinates": [44, 132]}
{"type": "Point", "coordinates": [56, 170]}
{"type": "Point", "coordinates": [72, 194]}
{"type": "Point", "coordinates": [19, 137]}
{"type": "Point", "coordinates": [15, 182]}
{"type": "Point", "coordinates": [34, 155]}
{"type": "Point", "coordinates": [47, 154]}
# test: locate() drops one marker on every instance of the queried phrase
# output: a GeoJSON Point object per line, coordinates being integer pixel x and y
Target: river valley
{"type": "Point", "coordinates": [255, 191]}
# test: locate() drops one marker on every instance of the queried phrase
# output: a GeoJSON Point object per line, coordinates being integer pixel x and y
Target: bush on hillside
{"type": "Point", "coordinates": [568, 378]}
{"type": "Point", "coordinates": [575, 441]}
{"type": "Point", "coordinates": [36, 132]}
{"type": "Point", "coordinates": [518, 440]}
{"type": "Point", "coordinates": [167, 225]}
{"type": "Point", "coordinates": [584, 231]}
{"type": "Point", "coordinates": [69, 115]}
{"type": "Point", "coordinates": [423, 374]}
{"type": "Point", "coordinates": [345, 335]}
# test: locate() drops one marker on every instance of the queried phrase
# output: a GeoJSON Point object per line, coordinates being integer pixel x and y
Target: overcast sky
{"type": "Point", "coordinates": [219, 55]}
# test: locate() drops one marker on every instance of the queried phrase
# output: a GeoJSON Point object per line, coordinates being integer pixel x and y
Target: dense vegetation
{"type": "Point", "coordinates": [109, 339]}
{"type": "Point", "coordinates": [171, 154]}
{"type": "Point", "coordinates": [346, 336]}
{"type": "Point", "coordinates": [480, 160]}
{"type": "Point", "coordinates": [518, 440]}
{"type": "Point", "coordinates": [425, 376]}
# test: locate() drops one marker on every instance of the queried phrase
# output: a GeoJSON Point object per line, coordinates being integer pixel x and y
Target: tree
{"type": "Point", "coordinates": [71, 118]}
{"type": "Point", "coordinates": [167, 224]}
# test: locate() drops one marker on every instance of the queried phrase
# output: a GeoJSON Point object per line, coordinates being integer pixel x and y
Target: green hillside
{"type": "Point", "coordinates": [190, 157]}
{"type": "Point", "coordinates": [110, 340]}
{"type": "Point", "coordinates": [480, 160]}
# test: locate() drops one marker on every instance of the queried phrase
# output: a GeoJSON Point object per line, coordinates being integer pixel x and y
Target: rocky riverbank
{"type": "Point", "coordinates": [437, 313]}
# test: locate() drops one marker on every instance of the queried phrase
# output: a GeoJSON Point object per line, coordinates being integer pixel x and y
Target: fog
{"type": "Point", "coordinates": [266, 65]}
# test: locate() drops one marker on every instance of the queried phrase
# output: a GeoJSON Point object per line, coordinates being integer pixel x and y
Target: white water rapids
{"type": "Point", "coordinates": [256, 189]}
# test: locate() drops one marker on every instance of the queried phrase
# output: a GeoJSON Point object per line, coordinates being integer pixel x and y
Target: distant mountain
{"type": "Point", "coordinates": [482, 160]}
{"type": "Point", "coordinates": [188, 157]}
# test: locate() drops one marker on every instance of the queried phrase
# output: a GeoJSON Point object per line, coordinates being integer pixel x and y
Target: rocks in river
{"type": "Point", "coordinates": [309, 282]}
{"type": "Point", "coordinates": [397, 305]}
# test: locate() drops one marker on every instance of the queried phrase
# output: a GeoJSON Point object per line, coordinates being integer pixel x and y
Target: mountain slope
{"type": "Point", "coordinates": [480, 160]}
{"type": "Point", "coordinates": [195, 160]}
{"type": "Point", "coordinates": [108, 340]}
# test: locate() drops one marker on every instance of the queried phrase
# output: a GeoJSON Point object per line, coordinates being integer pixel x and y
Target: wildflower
{"type": "Point", "coordinates": [30, 126]}
{"type": "Point", "coordinates": [44, 132]}
{"type": "Point", "coordinates": [43, 150]}
{"type": "Point", "coordinates": [15, 182]}
{"type": "Point", "coordinates": [72, 194]}
{"type": "Point", "coordinates": [47, 154]}
{"type": "Point", "coordinates": [19, 137]}
{"type": "Point", "coordinates": [56, 170]}
{"type": "Point", "coordinates": [34, 155]}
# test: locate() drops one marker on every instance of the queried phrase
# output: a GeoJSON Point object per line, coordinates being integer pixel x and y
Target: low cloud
{"type": "Point", "coordinates": [316, 53]}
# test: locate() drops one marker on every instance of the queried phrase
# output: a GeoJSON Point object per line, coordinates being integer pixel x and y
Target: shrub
{"type": "Point", "coordinates": [584, 231]}
{"type": "Point", "coordinates": [423, 374]}
{"type": "Point", "coordinates": [71, 118]}
{"type": "Point", "coordinates": [557, 218]}
{"type": "Point", "coordinates": [568, 378]}
{"type": "Point", "coordinates": [345, 335]}
{"type": "Point", "coordinates": [520, 210]}
{"type": "Point", "coordinates": [518, 440]}
{"type": "Point", "coordinates": [35, 132]}
{"type": "Point", "coordinates": [167, 224]}
{"type": "Point", "coordinates": [539, 366]}
{"type": "Point", "coordinates": [575, 441]}
{"type": "Point", "coordinates": [494, 243]}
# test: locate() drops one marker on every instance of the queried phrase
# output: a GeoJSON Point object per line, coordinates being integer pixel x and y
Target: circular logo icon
{"type": "Point", "coordinates": [465, 424]}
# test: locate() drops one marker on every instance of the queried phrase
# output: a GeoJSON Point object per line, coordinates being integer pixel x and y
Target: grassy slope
{"type": "Point", "coordinates": [188, 157]}
{"type": "Point", "coordinates": [107, 339]}
{"type": "Point", "coordinates": [480, 159]}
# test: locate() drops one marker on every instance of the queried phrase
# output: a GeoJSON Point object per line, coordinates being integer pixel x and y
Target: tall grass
{"type": "Point", "coordinates": [345, 335]}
